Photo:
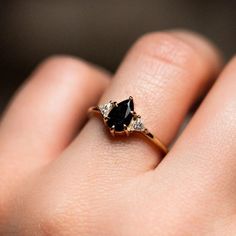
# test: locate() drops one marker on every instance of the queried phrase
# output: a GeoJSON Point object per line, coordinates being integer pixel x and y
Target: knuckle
{"type": "Point", "coordinates": [52, 221]}
{"type": "Point", "coordinates": [64, 62]}
{"type": "Point", "coordinates": [167, 48]}
{"type": "Point", "coordinates": [67, 68]}
{"type": "Point", "coordinates": [52, 214]}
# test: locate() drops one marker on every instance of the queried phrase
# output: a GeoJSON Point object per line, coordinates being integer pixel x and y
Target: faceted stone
{"type": "Point", "coordinates": [136, 125]}
{"type": "Point", "coordinates": [105, 109]}
{"type": "Point", "coordinates": [121, 115]}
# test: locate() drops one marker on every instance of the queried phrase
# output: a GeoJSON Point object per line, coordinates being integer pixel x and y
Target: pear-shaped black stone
{"type": "Point", "coordinates": [121, 115]}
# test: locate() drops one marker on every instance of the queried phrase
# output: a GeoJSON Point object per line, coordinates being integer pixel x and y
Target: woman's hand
{"type": "Point", "coordinates": [60, 176]}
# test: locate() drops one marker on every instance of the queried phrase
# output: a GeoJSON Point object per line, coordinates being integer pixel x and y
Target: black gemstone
{"type": "Point", "coordinates": [121, 115]}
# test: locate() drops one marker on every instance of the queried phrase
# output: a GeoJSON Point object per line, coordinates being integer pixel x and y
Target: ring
{"type": "Point", "coordinates": [121, 118]}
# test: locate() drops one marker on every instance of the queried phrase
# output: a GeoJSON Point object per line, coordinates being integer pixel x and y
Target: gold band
{"type": "Point", "coordinates": [156, 141]}
{"type": "Point", "coordinates": [104, 110]}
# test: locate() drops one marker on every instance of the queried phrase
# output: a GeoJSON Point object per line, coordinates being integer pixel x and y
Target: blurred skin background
{"type": "Point", "coordinates": [99, 31]}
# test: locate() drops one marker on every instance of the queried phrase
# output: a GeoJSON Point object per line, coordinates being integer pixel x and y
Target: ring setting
{"type": "Point", "coordinates": [121, 118]}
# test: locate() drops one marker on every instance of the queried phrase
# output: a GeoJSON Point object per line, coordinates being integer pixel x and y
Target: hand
{"type": "Point", "coordinates": [60, 176]}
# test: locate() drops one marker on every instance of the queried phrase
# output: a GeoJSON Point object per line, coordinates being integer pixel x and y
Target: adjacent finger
{"type": "Point", "coordinates": [204, 157]}
{"type": "Point", "coordinates": [46, 114]}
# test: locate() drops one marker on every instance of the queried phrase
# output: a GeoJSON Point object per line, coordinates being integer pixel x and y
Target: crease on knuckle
{"type": "Point", "coordinates": [66, 220]}
{"type": "Point", "coordinates": [51, 215]}
{"type": "Point", "coordinates": [168, 50]}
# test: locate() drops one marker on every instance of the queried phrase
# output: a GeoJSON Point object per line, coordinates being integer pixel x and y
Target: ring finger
{"type": "Point", "coordinates": [165, 73]}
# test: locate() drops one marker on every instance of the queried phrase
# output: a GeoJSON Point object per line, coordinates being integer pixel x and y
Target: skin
{"type": "Point", "coordinates": [64, 175]}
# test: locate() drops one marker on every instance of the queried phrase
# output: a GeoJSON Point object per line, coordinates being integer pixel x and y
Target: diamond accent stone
{"type": "Point", "coordinates": [136, 125]}
{"type": "Point", "coordinates": [106, 108]}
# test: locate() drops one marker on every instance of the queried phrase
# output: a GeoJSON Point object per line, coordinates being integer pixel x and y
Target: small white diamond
{"type": "Point", "coordinates": [136, 125]}
{"type": "Point", "coordinates": [106, 108]}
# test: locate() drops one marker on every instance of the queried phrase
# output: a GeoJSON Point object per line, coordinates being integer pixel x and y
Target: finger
{"type": "Point", "coordinates": [164, 72]}
{"type": "Point", "coordinates": [46, 113]}
{"type": "Point", "coordinates": [204, 156]}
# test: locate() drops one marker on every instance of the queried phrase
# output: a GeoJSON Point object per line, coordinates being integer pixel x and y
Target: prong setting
{"type": "Point", "coordinates": [112, 130]}
{"type": "Point", "coordinates": [126, 130]}
{"type": "Point", "coordinates": [120, 114]}
{"type": "Point", "coordinates": [133, 113]}
{"type": "Point", "coordinates": [121, 117]}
